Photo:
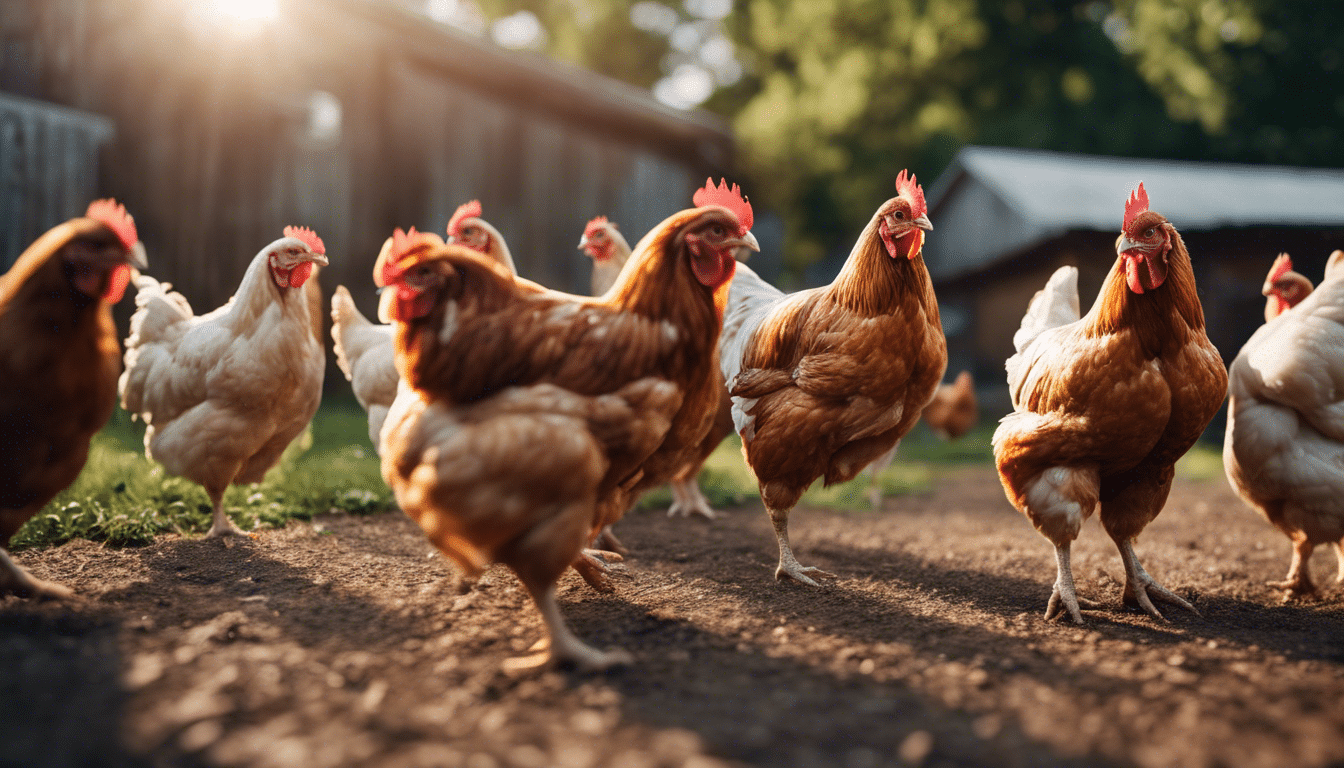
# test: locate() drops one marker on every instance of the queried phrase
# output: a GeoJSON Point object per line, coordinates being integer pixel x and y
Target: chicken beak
{"type": "Point", "coordinates": [386, 298]}
{"type": "Point", "coordinates": [746, 241]}
{"type": "Point", "coordinates": [923, 223]}
{"type": "Point", "coordinates": [1266, 289]}
{"type": "Point", "coordinates": [1125, 244]}
{"type": "Point", "coordinates": [583, 242]}
{"type": "Point", "coordinates": [318, 259]}
{"type": "Point", "coordinates": [136, 256]}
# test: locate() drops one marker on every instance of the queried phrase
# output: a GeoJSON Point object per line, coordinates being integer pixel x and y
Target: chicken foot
{"type": "Point", "coordinates": [15, 579]}
{"type": "Point", "coordinates": [561, 645]}
{"type": "Point", "coordinates": [1065, 595]}
{"type": "Point", "coordinates": [1140, 588]}
{"type": "Point", "coordinates": [220, 524]}
{"type": "Point", "coordinates": [788, 565]}
{"type": "Point", "coordinates": [606, 540]}
{"type": "Point", "coordinates": [591, 564]}
{"type": "Point", "coordinates": [688, 500]}
{"type": "Point", "coordinates": [1299, 585]}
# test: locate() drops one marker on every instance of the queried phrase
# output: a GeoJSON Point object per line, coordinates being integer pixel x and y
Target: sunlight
{"type": "Point", "coordinates": [232, 11]}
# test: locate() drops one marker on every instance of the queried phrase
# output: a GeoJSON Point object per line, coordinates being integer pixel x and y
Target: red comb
{"type": "Point", "coordinates": [907, 186]}
{"type": "Point", "coordinates": [114, 215]}
{"type": "Point", "coordinates": [1136, 204]}
{"type": "Point", "coordinates": [402, 243]}
{"type": "Point", "coordinates": [728, 198]}
{"type": "Point", "coordinates": [1282, 265]}
{"type": "Point", "coordinates": [467, 210]}
{"type": "Point", "coordinates": [308, 237]}
{"type": "Point", "coordinates": [594, 224]}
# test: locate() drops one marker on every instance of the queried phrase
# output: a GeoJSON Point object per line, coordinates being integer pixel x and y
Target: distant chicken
{"type": "Point", "coordinates": [59, 362]}
{"type": "Point", "coordinates": [224, 393]}
{"type": "Point", "coordinates": [1284, 288]}
{"type": "Point", "coordinates": [607, 247]}
{"type": "Point", "coordinates": [539, 415]}
{"type": "Point", "coordinates": [364, 350]}
{"type": "Point", "coordinates": [466, 227]}
{"type": "Point", "coordinates": [1284, 448]}
{"type": "Point", "coordinates": [951, 413]}
{"type": "Point", "coordinates": [1105, 404]}
{"type": "Point", "coordinates": [826, 380]}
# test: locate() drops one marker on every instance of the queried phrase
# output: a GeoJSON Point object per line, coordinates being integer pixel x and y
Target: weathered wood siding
{"type": "Point", "coordinates": [48, 168]}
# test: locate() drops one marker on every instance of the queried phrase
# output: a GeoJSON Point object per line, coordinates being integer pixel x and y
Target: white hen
{"type": "Point", "coordinates": [1284, 449]}
{"type": "Point", "coordinates": [365, 354]}
{"type": "Point", "coordinates": [224, 393]}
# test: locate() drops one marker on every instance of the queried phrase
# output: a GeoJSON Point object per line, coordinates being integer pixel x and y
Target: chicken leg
{"type": "Point", "coordinates": [17, 580]}
{"type": "Point", "coordinates": [220, 524]}
{"type": "Point", "coordinates": [687, 499]}
{"type": "Point", "coordinates": [1299, 583]}
{"type": "Point", "coordinates": [1140, 588]}
{"type": "Point", "coordinates": [1065, 595]}
{"type": "Point", "coordinates": [788, 565]}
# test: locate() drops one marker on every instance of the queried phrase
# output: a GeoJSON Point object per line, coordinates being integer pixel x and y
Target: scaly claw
{"type": "Point", "coordinates": [798, 573]}
{"type": "Point", "coordinates": [1065, 597]}
{"type": "Point", "coordinates": [1141, 589]}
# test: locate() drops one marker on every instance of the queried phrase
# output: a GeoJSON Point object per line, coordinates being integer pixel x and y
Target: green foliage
{"type": "Point", "coordinates": [124, 499]}
{"type": "Point", "coordinates": [1202, 463]}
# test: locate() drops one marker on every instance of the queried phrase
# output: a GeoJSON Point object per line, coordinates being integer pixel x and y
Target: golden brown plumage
{"type": "Point", "coordinates": [1106, 404]}
{"type": "Point", "coordinates": [540, 414]}
{"type": "Point", "coordinates": [59, 361]}
{"type": "Point", "coordinates": [826, 380]}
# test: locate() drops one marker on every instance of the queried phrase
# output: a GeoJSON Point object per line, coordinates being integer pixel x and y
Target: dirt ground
{"type": "Point", "coordinates": [344, 643]}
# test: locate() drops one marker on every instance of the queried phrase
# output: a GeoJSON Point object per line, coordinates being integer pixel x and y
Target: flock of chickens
{"type": "Point", "coordinates": [517, 424]}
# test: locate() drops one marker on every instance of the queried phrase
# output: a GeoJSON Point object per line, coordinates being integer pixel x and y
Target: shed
{"type": "Point", "coordinates": [1006, 218]}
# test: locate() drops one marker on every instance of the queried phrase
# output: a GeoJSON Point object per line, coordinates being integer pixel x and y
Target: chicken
{"type": "Point", "coordinates": [364, 353]}
{"type": "Point", "coordinates": [953, 410]}
{"type": "Point", "coordinates": [1284, 448]}
{"type": "Point", "coordinates": [466, 227]}
{"type": "Point", "coordinates": [538, 415]}
{"type": "Point", "coordinates": [607, 247]}
{"type": "Point", "coordinates": [825, 380]}
{"type": "Point", "coordinates": [224, 393]}
{"type": "Point", "coordinates": [1284, 288]}
{"type": "Point", "coordinates": [364, 349]}
{"type": "Point", "coordinates": [950, 414]}
{"type": "Point", "coordinates": [59, 362]}
{"type": "Point", "coordinates": [603, 241]}
{"type": "Point", "coordinates": [1105, 404]}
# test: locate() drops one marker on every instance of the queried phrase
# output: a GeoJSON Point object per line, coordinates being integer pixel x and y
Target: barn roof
{"type": "Point", "coordinates": [992, 202]}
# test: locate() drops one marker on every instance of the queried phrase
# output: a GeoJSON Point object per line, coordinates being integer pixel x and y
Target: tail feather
{"type": "Point", "coordinates": [1054, 305]}
{"type": "Point", "coordinates": [345, 316]}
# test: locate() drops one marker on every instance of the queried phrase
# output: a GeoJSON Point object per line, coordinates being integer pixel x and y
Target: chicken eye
{"type": "Point", "coordinates": [717, 230]}
{"type": "Point", "coordinates": [900, 214]}
{"type": "Point", "coordinates": [1149, 232]}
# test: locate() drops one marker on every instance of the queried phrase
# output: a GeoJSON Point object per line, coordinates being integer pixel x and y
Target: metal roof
{"type": "Point", "coordinates": [992, 202]}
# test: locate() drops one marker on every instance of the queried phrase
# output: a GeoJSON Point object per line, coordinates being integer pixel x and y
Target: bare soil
{"type": "Point", "coordinates": [345, 643]}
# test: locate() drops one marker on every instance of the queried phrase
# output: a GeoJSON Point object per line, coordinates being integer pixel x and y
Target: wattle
{"type": "Point", "coordinates": [117, 281]}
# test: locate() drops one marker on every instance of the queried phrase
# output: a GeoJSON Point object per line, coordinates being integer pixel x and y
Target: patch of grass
{"type": "Point", "coordinates": [1203, 462]}
{"type": "Point", "coordinates": [124, 499]}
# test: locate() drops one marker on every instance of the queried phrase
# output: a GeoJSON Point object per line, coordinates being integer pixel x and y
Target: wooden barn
{"type": "Point", "coordinates": [1005, 219]}
{"type": "Point", "coordinates": [349, 116]}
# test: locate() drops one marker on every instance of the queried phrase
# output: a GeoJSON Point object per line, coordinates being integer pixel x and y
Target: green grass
{"type": "Point", "coordinates": [124, 499]}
